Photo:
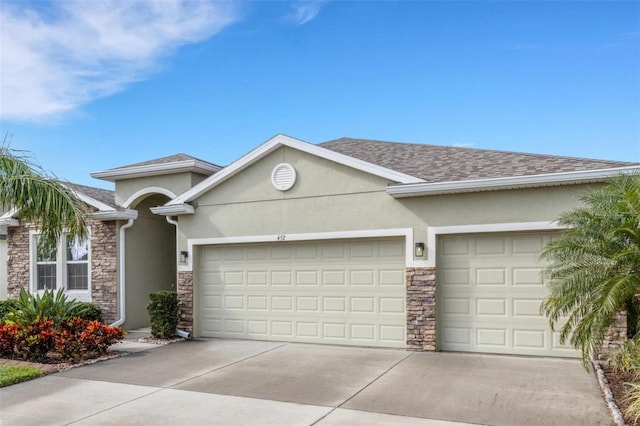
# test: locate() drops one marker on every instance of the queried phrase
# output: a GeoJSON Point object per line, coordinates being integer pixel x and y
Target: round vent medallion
{"type": "Point", "coordinates": [283, 176]}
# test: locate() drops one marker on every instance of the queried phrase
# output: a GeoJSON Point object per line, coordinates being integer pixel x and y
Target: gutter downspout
{"type": "Point", "coordinates": [121, 266]}
{"type": "Point", "coordinates": [182, 333]}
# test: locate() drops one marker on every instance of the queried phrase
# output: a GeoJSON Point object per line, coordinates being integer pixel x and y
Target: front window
{"type": "Point", "coordinates": [46, 266]}
{"type": "Point", "coordinates": [65, 265]}
{"type": "Point", "coordinates": [77, 263]}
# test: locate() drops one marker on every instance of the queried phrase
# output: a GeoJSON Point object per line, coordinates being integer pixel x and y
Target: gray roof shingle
{"type": "Point", "coordinates": [105, 196]}
{"type": "Point", "coordinates": [165, 160]}
{"type": "Point", "coordinates": [435, 163]}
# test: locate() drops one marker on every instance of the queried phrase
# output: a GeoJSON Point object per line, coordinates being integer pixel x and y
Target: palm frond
{"type": "Point", "coordinates": [38, 197]}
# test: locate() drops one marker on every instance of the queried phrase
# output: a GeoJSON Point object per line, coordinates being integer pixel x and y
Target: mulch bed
{"type": "Point", "coordinates": [617, 380]}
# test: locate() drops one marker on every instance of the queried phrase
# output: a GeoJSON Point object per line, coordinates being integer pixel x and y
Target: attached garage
{"type": "Point", "coordinates": [349, 292]}
{"type": "Point", "coordinates": [489, 294]}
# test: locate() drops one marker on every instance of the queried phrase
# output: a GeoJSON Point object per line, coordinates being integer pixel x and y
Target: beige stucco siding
{"type": "Point", "coordinates": [176, 183]}
{"type": "Point", "coordinates": [329, 197]}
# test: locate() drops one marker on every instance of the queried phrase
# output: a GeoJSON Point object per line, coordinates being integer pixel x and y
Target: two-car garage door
{"type": "Point", "coordinates": [489, 294]}
{"type": "Point", "coordinates": [341, 292]}
{"type": "Point", "coordinates": [352, 292]}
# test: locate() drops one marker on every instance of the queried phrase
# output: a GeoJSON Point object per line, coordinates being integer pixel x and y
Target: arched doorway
{"type": "Point", "coordinates": [150, 260]}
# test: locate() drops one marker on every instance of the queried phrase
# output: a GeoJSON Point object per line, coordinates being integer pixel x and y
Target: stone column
{"type": "Point", "coordinates": [421, 309]}
{"type": "Point", "coordinates": [104, 269]}
{"type": "Point", "coordinates": [185, 300]}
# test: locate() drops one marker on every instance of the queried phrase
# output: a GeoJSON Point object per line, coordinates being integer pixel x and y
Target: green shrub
{"type": "Point", "coordinates": [163, 310]}
{"type": "Point", "coordinates": [7, 306]}
{"type": "Point", "coordinates": [88, 311]}
{"type": "Point", "coordinates": [53, 306]}
{"type": "Point", "coordinates": [627, 359]}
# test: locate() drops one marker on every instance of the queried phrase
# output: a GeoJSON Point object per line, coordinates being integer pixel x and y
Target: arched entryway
{"type": "Point", "coordinates": [150, 259]}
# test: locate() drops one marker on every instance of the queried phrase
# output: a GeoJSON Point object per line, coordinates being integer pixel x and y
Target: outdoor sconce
{"type": "Point", "coordinates": [183, 256]}
{"type": "Point", "coordinates": [419, 250]}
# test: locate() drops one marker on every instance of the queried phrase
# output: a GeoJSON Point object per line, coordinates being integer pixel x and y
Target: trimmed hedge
{"type": "Point", "coordinates": [89, 311]}
{"type": "Point", "coordinates": [163, 310]}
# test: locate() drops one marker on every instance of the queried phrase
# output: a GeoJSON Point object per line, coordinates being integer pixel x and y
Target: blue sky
{"type": "Point", "coordinates": [87, 86]}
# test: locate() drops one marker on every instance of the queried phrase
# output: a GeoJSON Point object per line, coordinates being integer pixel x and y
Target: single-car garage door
{"type": "Point", "coordinates": [339, 292]}
{"type": "Point", "coordinates": [489, 291]}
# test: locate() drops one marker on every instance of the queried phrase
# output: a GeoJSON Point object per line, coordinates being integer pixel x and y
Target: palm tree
{"type": "Point", "coordinates": [594, 267]}
{"type": "Point", "coordinates": [39, 198]}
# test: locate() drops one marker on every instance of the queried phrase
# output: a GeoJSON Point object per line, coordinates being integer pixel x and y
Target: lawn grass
{"type": "Point", "coordinates": [12, 374]}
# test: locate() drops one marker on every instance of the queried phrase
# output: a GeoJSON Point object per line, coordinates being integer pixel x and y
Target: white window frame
{"type": "Point", "coordinates": [61, 268]}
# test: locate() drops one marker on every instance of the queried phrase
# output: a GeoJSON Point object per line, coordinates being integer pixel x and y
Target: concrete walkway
{"type": "Point", "coordinates": [227, 382]}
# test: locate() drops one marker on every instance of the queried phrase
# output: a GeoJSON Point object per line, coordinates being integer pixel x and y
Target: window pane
{"type": "Point", "coordinates": [77, 249]}
{"type": "Point", "coordinates": [46, 277]}
{"type": "Point", "coordinates": [77, 277]}
{"type": "Point", "coordinates": [46, 253]}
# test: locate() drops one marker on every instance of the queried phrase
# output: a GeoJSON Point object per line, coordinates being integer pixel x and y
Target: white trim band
{"type": "Point", "coordinates": [493, 184]}
{"type": "Point", "coordinates": [407, 233]}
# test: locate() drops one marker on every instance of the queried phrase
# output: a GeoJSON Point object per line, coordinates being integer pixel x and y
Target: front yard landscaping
{"type": "Point", "coordinates": [51, 329]}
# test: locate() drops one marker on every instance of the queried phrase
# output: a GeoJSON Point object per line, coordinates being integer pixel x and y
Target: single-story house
{"type": "Point", "coordinates": [350, 242]}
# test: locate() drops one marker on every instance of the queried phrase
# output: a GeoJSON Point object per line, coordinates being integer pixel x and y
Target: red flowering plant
{"type": "Point", "coordinates": [39, 330]}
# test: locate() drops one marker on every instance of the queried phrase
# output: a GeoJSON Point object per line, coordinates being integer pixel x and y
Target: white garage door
{"type": "Point", "coordinates": [338, 292]}
{"type": "Point", "coordinates": [489, 294]}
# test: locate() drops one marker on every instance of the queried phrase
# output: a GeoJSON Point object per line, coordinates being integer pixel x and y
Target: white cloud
{"type": "Point", "coordinates": [304, 11]}
{"type": "Point", "coordinates": [57, 56]}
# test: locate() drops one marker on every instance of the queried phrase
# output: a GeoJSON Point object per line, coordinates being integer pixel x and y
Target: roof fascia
{"type": "Point", "coordinates": [173, 210]}
{"type": "Point", "coordinates": [196, 166]}
{"type": "Point", "coordinates": [8, 219]}
{"type": "Point", "coordinates": [115, 215]}
{"type": "Point", "coordinates": [283, 140]}
{"type": "Point", "coordinates": [93, 202]}
{"type": "Point", "coordinates": [493, 184]}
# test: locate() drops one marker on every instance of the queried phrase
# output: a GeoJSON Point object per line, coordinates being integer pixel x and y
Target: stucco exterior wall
{"type": "Point", "coordinates": [328, 197]}
{"type": "Point", "coordinates": [175, 182]}
{"type": "Point", "coordinates": [150, 261]}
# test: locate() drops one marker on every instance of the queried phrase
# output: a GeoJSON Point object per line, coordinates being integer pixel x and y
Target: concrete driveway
{"type": "Point", "coordinates": [229, 382]}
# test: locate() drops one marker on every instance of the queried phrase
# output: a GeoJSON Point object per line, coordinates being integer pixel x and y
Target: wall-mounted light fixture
{"type": "Point", "coordinates": [419, 252]}
{"type": "Point", "coordinates": [183, 256]}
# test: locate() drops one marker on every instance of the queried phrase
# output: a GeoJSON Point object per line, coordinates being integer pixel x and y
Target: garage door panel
{"type": "Point", "coordinates": [491, 277]}
{"type": "Point", "coordinates": [498, 310]}
{"type": "Point", "coordinates": [491, 307]}
{"type": "Point", "coordinates": [455, 276]}
{"type": "Point", "coordinates": [526, 307]}
{"type": "Point", "coordinates": [393, 277]}
{"type": "Point", "coordinates": [455, 306]}
{"type": "Point", "coordinates": [490, 246]}
{"type": "Point", "coordinates": [348, 292]}
{"type": "Point", "coordinates": [527, 277]}
{"type": "Point", "coordinates": [334, 278]}
{"type": "Point", "coordinates": [493, 337]}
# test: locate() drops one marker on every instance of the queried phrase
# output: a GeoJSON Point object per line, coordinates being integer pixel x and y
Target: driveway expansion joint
{"type": "Point", "coordinates": [173, 385]}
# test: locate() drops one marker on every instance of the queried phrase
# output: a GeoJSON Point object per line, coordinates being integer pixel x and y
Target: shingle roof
{"type": "Point", "coordinates": [435, 163]}
{"type": "Point", "coordinates": [164, 160]}
{"type": "Point", "coordinates": [105, 196]}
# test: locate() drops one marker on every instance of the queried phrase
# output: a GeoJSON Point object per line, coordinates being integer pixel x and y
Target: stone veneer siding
{"type": "Point", "coordinates": [421, 309]}
{"type": "Point", "coordinates": [185, 300]}
{"type": "Point", "coordinates": [17, 260]}
{"type": "Point", "coordinates": [614, 338]}
{"type": "Point", "coordinates": [104, 272]}
{"type": "Point", "coordinates": [104, 268]}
